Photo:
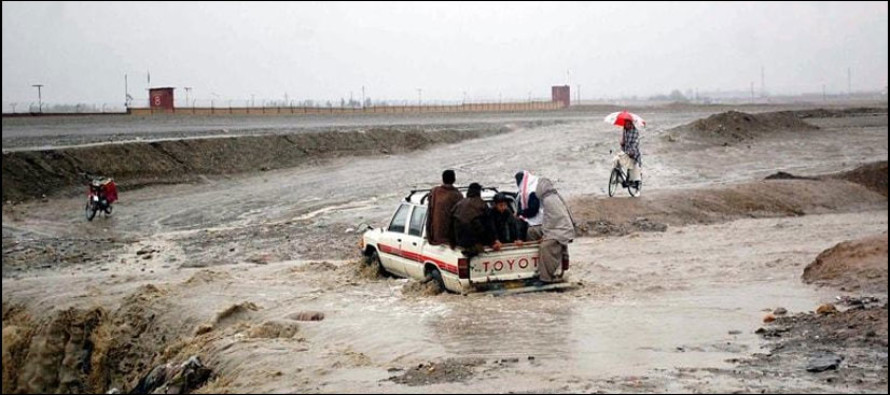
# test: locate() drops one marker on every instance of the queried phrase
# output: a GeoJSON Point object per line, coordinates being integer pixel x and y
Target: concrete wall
{"type": "Point", "coordinates": [483, 107]}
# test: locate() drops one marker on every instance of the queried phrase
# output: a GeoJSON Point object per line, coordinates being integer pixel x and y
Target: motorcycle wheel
{"type": "Point", "coordinates": [90, 211]}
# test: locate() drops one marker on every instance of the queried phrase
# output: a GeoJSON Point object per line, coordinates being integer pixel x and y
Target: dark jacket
{"type": "Point", "coordinates": [506, 227]}
{"type": "Point", "coordinates": [534, 204]}
{"type": "Point", "coordinates": [438, 219]}
{"type": "Point", "coordinates": [471, 224]}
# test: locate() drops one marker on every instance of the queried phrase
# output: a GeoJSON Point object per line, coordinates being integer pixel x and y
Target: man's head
{"type": "Point", "coordinates": [448, 177]}
{"type": "Point", "coordinates": [500, 202]}
{"type": "Point", "coordinates": [519, 178]}
{"type": "Point", "coordinates": [475, 190]}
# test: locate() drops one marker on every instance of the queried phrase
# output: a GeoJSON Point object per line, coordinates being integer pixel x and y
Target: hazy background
{"type": "Point", "coordinates": [81, 51]}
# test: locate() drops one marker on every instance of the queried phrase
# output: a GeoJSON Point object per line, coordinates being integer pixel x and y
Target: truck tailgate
{"type": "Point", "coordinates": [511, 263]}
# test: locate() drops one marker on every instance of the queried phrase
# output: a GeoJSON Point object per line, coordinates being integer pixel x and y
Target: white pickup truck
{"type": "Point", "coordinates": [401, 249]}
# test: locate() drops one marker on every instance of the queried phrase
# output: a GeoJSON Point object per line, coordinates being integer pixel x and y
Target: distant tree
{"type": "Point", "coordinates": [676, 95]}
{"type": "Point", "coordinates": [368, 102]}
{"type": "Point", "coordinates": [342, 102]}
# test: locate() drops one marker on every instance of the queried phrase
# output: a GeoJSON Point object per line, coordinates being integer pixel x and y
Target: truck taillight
{"type": "Point", "coordinates": [463, 268]}
{"type": "Point", "coordinates": [565, 262]}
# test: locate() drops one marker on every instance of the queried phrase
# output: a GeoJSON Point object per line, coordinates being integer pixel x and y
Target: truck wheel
{"type": "Point", "coordinates": [434, 276]}
{"type": "Point", "coordinates": [374, 260]}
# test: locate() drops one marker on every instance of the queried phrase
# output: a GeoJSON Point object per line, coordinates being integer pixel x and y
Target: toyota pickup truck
{"type": "Point", "coordinates": [401, 249]}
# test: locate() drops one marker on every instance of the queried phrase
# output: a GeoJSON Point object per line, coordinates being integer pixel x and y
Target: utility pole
{"type": "Point", "coordinates": [39, 97]}
{"type": "Point", "coordinates": [188, 90]}
{"type": "Point", "coordinates": [762, 82]}
{"type": "Point", "coordinates": [126, 93]}
{"type": "Point", "coordinates": [363, 97]}
{"type": "Point", "coordinates": [419, 96]}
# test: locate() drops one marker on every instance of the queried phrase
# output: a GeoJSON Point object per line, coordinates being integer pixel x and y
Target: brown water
{"type": "Point", "coordinates": [651, 305]}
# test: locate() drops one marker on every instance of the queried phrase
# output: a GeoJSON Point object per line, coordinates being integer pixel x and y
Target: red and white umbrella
{"type": "Point", "coordinates": [620, 118]}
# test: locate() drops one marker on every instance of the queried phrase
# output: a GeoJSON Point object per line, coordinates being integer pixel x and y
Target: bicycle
{"type": "Point", "coordinates": [619, 177]}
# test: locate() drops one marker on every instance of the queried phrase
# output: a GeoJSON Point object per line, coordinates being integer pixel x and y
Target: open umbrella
{"type": "Point", "coordinates": [620, 118]}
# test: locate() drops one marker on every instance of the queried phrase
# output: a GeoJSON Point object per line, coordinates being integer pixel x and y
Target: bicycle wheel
{"type": "Point", "coordinates": [614, 181]}
{"type": "Point", "coordinates": [634, 190]}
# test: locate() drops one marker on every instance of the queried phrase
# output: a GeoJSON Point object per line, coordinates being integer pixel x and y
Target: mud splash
{"type": "Point", "coordinates": [84, 350]}
{"type": "Point", "coordinates": [419, 289]}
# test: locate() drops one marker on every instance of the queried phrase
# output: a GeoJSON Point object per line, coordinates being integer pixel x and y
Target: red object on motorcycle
{"type": "Point", "coordinates": [110, 191]}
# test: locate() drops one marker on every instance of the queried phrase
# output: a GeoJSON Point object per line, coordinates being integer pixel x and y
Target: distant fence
{"type": "Point", "coordinates": [288, 110]}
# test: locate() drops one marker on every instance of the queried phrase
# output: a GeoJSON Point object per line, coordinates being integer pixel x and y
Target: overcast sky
{"type": "Point", "coordinates": [81, 51]}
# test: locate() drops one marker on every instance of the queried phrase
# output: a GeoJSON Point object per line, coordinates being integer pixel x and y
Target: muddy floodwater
{"type": "Point", "coordinates": [671, 308]}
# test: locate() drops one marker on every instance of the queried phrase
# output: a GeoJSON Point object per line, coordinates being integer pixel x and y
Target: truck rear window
{"type": "Point", "coordinates": [418, 218]}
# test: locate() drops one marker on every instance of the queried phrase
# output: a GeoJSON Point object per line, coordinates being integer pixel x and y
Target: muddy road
{"type": "Point", "coordinates": [658, 311]}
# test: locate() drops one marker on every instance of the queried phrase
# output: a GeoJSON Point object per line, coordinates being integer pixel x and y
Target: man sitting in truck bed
{"type": "Point", "coordinates": [471, 225]}
{"type": "Point", "coordinates": [441, 202]}
{"type": "Point", "coordinates": [505, 225]}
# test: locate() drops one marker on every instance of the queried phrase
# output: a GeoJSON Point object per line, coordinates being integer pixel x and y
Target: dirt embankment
{"type": "Point", "coordinates": [839, 113]}
{"type": "Point", "coordinates": [733, 126]}
{"type": "Point", "coordinates": [769, 198]}
{"type": "Point", "coordinates": [32, 174]}
{"type": "Point", "coordinates": [855, 265]}
{"type": "Point", "coordinates": [873, 176]}
{"type": "Point", "coordinates": [84, 350]}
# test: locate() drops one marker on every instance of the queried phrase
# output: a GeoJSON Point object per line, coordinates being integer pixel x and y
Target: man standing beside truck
{"type": "Point", "coordinates": [441, 201]}
{"type": "Point", "coordinates": [558, 229]}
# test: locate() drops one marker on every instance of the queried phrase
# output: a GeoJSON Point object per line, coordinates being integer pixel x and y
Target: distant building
{"type": "Point", "coordinates": [161, 98]}
{"type": "Point", "coordinates": [562, 95]}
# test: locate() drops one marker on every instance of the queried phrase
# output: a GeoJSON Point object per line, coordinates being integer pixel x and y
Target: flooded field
{"type": "Point", "coordinates": [229, 268]}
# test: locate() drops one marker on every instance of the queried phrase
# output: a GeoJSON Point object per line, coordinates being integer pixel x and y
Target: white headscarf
{"type": "Point", "coordinates": [527, 187]}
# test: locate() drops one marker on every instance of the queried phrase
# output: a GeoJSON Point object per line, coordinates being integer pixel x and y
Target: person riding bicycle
{"type": "Point", "coordinates": [630, 157]}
